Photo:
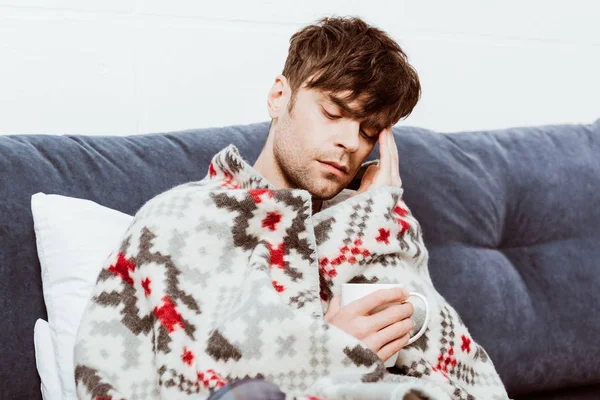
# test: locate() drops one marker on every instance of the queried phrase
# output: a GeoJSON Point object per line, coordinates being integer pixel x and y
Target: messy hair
{"type": "Point", "coordinates": [345, 53]}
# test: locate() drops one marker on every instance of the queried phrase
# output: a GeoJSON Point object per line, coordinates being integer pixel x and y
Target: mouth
{"type": "Point", "coordinates": [337, 168]}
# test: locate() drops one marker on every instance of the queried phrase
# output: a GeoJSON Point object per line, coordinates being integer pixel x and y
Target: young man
{"type": "Point", "coordinates": [238, 276]}
{"type": "Point", "coordinates": [325, 122]}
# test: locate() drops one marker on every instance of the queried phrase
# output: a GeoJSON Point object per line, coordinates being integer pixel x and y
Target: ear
{"type": "Point", "coordinates": [278, 97]}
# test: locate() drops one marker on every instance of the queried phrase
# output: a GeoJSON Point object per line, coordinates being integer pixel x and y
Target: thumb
{"type": "Point", "coordinates": [334, 307]}
{"type": "Point", "coordinates": [367, 179]}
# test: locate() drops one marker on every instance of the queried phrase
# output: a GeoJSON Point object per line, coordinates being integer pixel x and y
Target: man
{"type": "Point", "coordinates": [235, 287]}
{"type": "Point", "coordinates": [321, 133]}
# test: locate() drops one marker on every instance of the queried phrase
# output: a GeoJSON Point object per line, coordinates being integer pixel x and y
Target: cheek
{"type": "Point", "coordinates": [302, 138]}
{"type": "Point", "coordinates": [361, 156]}
{"type": "Point", "coordinates": [366, 151]}
{"type": "Point", "coordinates": [313, 133]}
{"type": "Point", "coordinates": [304, 142]}
{"type": "Point", "coordinates": [290, 150]}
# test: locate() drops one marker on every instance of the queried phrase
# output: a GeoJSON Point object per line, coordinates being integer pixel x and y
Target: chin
{"type": "Point", "coordinates": [325, 193]}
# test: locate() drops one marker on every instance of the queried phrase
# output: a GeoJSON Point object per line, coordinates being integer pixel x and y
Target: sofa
{"type": "Point", "coordinates": [511, 219]}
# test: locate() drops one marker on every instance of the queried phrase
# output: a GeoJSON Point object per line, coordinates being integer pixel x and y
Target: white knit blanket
{"type": "Point", "coordinates": [227, 278]}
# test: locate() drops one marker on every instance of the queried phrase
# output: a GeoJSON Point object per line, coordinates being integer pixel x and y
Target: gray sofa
{"type": "Point", "coordinates": [511, 219]}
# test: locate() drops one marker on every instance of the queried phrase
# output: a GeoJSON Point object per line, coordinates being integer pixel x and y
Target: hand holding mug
{"type": "Point", "coordinates": [379, 315]}
{"type": "Point", "coordinates": [384, 332]}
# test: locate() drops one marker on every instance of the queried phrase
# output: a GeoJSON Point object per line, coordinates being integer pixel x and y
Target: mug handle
{"type": "Point", "coordinates": [424, 327]}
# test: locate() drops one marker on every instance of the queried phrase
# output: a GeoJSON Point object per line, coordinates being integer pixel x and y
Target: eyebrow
{"type": "Point", "coordinates": [339, 103]}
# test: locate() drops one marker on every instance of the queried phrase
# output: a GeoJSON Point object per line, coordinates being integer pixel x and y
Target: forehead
{"type": "Point", "coordinates": [339, 99]}
{"type": "Point", "coordinates": [328, 95]}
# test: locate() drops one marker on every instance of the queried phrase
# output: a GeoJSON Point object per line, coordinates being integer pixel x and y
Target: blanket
{"type": "Point", "coordinates": [229, 278]}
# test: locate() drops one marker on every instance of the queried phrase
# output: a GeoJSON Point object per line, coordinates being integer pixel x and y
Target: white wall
{"type": "Point", "coordinates": [136, 66]}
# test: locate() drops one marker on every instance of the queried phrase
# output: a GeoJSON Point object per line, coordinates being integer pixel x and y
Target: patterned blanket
{"type": "Point", "coordinates": [227, 278]}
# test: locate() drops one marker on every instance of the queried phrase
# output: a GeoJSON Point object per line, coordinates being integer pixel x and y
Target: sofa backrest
{"type": "Point", "coordinates": [510, 218]}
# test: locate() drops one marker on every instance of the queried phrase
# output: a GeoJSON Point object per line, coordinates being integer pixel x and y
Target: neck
{"type": "Point", "coordinates": [267, 166]}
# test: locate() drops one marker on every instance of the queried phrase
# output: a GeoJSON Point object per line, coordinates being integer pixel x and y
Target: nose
{"type": "Point", "coordinates": [348, 136]}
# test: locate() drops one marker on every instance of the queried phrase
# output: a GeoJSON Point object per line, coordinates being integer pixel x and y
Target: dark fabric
{"type": "Point", "coordinates": [510, 218]}
{"type": "Point", "coordinates": [579, 393]}
{"type": "Point", "coordinates": [249, 389]}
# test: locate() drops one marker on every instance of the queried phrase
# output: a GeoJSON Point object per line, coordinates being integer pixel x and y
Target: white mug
{"type": "Point", "coordinates": [354, 291]}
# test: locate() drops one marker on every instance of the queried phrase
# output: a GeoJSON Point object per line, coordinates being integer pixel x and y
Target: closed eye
{"type": "Point", "coordinates": [331, 116]}
{"type": "Point", "coordinates": [368, 137]}
{"type": "Point", "coordinates": [363, 133]}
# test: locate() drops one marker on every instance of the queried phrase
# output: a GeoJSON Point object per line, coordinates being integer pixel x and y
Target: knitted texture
{"type": "Point", "coordinates": [227, 278]}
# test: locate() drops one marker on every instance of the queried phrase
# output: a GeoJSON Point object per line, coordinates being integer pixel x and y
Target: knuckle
{"type": "Point", "coordinates": [399, 313]}
{"type": "Point", "coordinates": [378, 295]}
{"type": "Point", "coordinates": [389, 296]}
{"type": "Point", "coordinates": [361, 331]}
{"type": "Point", "coordinates": [406, 326]}
{"type": "Point", "coordinates": [396, 293]}
{"type": "Point", "coordinates": [405, 336]}
{"type": "Point", "coordinates": [400, 343]}
{"type": "Point", "coordinates": [384, 295]}
{"type": "Point", "coordinates": [405, 340]}
{"type": "Point", "coordinates": [370, 345]}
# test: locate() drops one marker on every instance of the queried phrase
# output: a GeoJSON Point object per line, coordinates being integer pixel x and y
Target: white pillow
{"type": "Point", "coordinates": [74, 237]}
{"type": "Point", "coordinates": [45, 362]}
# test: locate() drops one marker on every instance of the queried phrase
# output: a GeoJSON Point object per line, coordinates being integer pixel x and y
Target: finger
{"type": "Point", "coordinates": [367, 179]}
{"type": "Point", "coordinates": [393, 347]}
{"type": "Point", "coordinates": [391, 315]}
{"type": "Point", "coordinates": [334, 308]}
{"type": "Point", "coordinates": [390, 333]}
{"type": "Point", "coordinates": [393, 147]}
{"type": "Point", "coordinates": [384, 154]}
{"type": "Point", "coordinates": [395, 163]}
{"type": "Point", "coordinates": [370, 302]}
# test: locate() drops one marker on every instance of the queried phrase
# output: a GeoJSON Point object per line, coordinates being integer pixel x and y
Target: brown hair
{"type": "Point", "coordinates": [345, 53]}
